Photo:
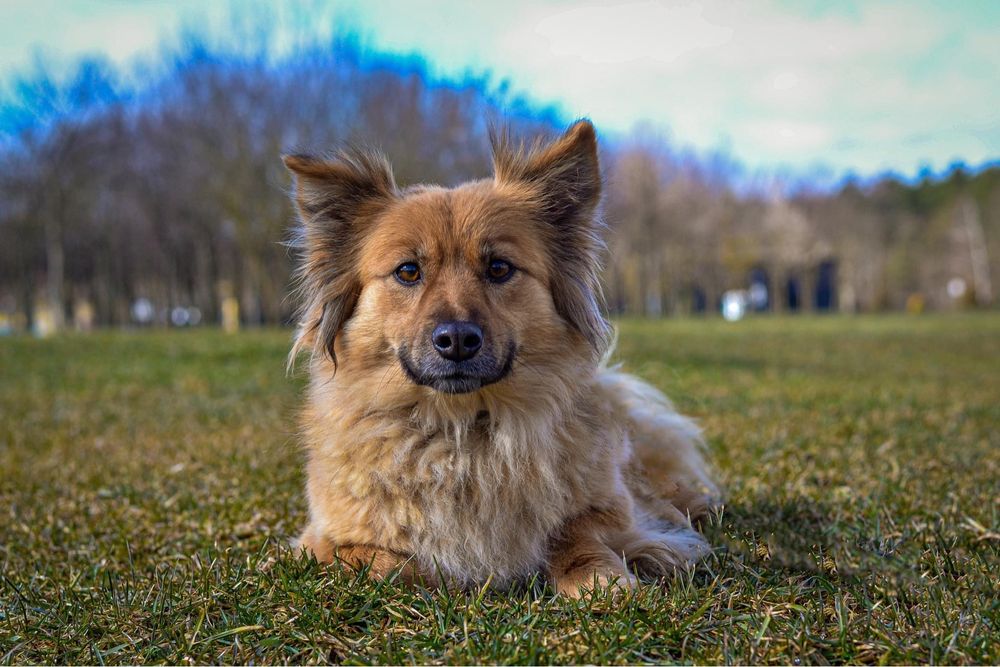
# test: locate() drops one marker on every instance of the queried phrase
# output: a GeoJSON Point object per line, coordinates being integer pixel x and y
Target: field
{"type": "Point", "coordinates": [149, 482]}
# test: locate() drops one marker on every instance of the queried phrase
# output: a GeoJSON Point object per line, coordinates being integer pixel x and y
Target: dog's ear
{"type": "Point", "coordinates": [563, 179]}
{"type": "Point", "coordinates": [336, 199]}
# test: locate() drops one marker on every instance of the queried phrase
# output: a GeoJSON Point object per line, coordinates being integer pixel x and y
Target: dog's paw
{"type": "Point", "coordinates": [580, 583]}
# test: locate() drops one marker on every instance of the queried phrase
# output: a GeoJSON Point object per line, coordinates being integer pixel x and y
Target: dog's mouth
{"type": "Point", "coordinates": [462, 377]}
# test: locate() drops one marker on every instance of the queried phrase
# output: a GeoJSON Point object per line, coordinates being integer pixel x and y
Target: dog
{"type": "Point", "coordinates": [461, 423]}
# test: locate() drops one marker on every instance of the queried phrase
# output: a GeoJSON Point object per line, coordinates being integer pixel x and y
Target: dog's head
{"type": "Point", "coordinates": [458, 288]}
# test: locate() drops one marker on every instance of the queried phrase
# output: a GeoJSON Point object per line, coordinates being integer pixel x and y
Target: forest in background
{"type": "Point", "coordinates": [165, 183]}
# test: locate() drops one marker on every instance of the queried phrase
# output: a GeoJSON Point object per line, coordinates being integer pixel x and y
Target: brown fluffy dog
{"type": "Point", "coordinates": [459, 419]}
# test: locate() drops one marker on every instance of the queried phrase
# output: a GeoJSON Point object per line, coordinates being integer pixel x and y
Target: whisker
{"type": "Point", "coordinates": [381, 383]}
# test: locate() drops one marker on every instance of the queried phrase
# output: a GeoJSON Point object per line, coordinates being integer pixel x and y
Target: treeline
{"type": "Point", "coordinates": [165, 184]}
{"type": "Point", "coordinates": [684, 237]}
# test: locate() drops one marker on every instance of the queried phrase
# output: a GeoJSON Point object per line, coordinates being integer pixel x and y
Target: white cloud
{"type": "Point", "coordinates": [787, 137]}
{"type": "Point", "coordinates": [776, 84]}
{"type": "Point", "coordinates": [623, 33]}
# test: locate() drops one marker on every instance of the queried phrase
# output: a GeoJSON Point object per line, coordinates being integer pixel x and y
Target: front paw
{"type": "Point", "coordinates": [579, 582]}
{"type": "Point", "coordinates": [379, 562]}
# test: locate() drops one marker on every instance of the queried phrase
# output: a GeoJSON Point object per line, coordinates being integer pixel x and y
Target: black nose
{"type": "Point", "coordinates": [457, 341]}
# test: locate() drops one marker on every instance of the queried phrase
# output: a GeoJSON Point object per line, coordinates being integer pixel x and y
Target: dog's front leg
{"type": "Point", "coordinates": [579, 559]}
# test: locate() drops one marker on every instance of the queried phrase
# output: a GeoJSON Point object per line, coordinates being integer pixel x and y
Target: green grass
{"type": "Point", "coordinates": [149, 483]}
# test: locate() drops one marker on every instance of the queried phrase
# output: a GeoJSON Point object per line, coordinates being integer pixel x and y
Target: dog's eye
{"type": "Point", "coordinates": [408, 273]}
{"type": "Point", "coordinates": [499, 271]}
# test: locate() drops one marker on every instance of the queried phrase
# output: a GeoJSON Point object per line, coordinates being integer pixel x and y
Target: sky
{"type": "Point", "coordinates": [861, 87]}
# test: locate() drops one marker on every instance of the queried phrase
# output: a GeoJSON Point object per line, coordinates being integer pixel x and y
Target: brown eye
{"type": "Point", "coordinates": [408, 273]}
{"type": "Point", "coordinates": [499, 271]}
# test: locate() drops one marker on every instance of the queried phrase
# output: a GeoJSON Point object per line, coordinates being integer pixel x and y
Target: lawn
{"type": "Point", "coordinates": [149, 483]}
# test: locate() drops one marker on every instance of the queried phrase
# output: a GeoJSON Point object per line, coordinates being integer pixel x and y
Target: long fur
{"type": "Point", "coordinates": [563, 466]}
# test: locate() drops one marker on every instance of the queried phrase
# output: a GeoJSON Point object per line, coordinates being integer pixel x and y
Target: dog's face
{"type": "Point", "coordinates": [457, 288]}
{"type": "Point", "coordinates": [455, 284]}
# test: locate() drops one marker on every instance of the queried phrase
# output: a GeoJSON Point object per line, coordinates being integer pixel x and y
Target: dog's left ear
{"type": "Point", "coordinates": [563, 178]}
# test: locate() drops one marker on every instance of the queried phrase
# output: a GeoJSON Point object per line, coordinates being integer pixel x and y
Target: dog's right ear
{"type": "Point", "coordinates": [337, 199]}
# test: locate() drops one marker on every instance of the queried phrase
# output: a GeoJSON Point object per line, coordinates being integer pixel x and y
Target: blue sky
{"type": "Point", "coordinates": [859, 86]}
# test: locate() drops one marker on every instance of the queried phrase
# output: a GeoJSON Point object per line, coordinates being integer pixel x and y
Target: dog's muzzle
{"type": "Point", "coordinates": [458, 372]}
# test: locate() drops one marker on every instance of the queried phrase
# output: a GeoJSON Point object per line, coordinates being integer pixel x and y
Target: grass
{"type": "Point", "coordinates": [149, 482]}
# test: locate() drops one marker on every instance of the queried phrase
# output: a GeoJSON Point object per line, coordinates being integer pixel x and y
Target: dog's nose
{"type": "Point", "coordinates": [457, 341]}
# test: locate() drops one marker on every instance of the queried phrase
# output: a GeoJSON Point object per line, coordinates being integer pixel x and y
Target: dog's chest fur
{"type": "Point", "coordinates": [468, 498]}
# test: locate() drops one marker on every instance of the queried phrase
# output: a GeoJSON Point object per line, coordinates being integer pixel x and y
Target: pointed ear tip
{"type": "Point", "coordinates": [583, 129]}
{"type": "Point", "coordinates": [293, 162]}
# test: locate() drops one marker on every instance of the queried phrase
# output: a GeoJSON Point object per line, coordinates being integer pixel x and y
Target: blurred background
{"type": "Point", "coordinates": [760, 157]}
